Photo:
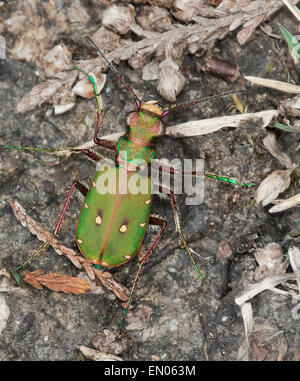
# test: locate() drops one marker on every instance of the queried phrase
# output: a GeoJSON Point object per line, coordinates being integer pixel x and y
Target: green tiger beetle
{"type": "Point", "coordinates": [111, 227]}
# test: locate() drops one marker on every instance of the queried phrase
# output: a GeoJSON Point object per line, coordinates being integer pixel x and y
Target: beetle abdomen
{"type": "Point", "coordinates": [113, 218]}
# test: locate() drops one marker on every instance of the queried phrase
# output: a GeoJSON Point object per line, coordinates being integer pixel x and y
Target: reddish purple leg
{"type": "Point", "coordinates": [102, 142]}
{"type": "Point", "coordinates": [83, 190]}
{"type": "Point", "coordinates": [152, 221]}
{"type": "Point", "coordinates": [173, 171]}
{"type": "Point", "coordinates": [179, 229]}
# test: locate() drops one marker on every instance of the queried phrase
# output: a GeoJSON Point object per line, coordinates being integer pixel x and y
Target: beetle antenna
{"type": "Point", "coordinates": [115, 71]}
{"type": "Point", "coordinates": [206, 99]}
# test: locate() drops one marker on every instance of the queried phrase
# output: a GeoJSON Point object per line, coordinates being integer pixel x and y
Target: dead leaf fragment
{"type": "Point", "coordinates": [270, 261]}
{"type": "Point", "coordinates": [108, 282]}
{"type": "Point", "coordinates": [38, 95]}
{"type": "Point", "coordinates": [106, 40]}
{"type": "Point", "coordinates": [154, 18]}
{"type": "Point", "coordinates": [266, 284]}
{"type": "Point", "coordinates": [170, 80]}
{"type": "Point", "coordinates": [77, 13]}
{"type": "Point", "coordinates": [94, 355]}
{"type": "Point", "coordinates": [247, 315]}
{"type": "Point", "coordinates": [290, 202]}
{"type": "Point", "coordinates": [111, 340]}
{"type": "Point", "coordinates": [61, 109]}
{"type": "Point", "coordinates": [224, 250]}
{"type": "Point", "coordinates": [271, 144]}
{"type": "Point", "coordinates": [185, 10]}
{"type": "Point", "coordinates": [294, 255]}
{"type": "Point", "coordinates": [56, 60]}
{"type": "Point", "coordinates": [119, 18]}
{"type": "Point", "coordinates": [84, 89]}
{"type": "Point", "coordinates": [277, 182]}
{"type": "Point", "coordinates": [273, 84]}
{"type": "Point", "coordinates": [57, 282]}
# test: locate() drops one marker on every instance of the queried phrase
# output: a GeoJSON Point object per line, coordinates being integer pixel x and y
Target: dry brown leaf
{"type": "Point", "coordinates": [150, 71]}
{"type": "Point", "coordinates": [119, 18]}
{"type": "Point", "coordinates": [77, 14]}
{"type": "Point", "coordinates": [271, 144]}
{"type": "Point", "coordinates": [57, 282]}
{"type": "Point", "coordinates": [170, 80]}
{"type": "Point", "coordinates": [38, 95]}
{"type": "Point", "coordinates": [277, 182]}
{"type": "Point", "coordinates": [55, 90]}
{"type": "Point", "coordinates": [185, 10]}
{"type": "Point", "coordinates": [61, 109]}
{"type": "Point", "coordinates": [108, 282]}
{"type": "Point", "coordinates": [58, 59]}
{"type": "Point", "coordinates": [270, 261]}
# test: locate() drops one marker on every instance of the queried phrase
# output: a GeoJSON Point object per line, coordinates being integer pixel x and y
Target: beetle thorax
{"type": "Point", "coordinates": [143, 128]}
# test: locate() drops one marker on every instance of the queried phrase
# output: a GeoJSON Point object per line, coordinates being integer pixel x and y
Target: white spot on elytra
{"type": "Point", "coordinates": [123, 228]}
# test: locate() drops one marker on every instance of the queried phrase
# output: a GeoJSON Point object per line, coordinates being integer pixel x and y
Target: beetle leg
{"type": "Point", "coordinates": [102, 142]}
{"type": "Point", "coordinates": [153, 221]}
{"type": "Point", "coordinates": [179, 229]}
{"type": "Point", "coordinates": [91, 154]}
{"type": "Point", "coordinates": [173, 171]}
{"type": "Point", "coordinates": [84, 191]}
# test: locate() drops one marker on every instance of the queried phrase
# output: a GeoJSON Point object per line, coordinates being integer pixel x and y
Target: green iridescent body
{"type": "Point", "coordinates": [111, 226]}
